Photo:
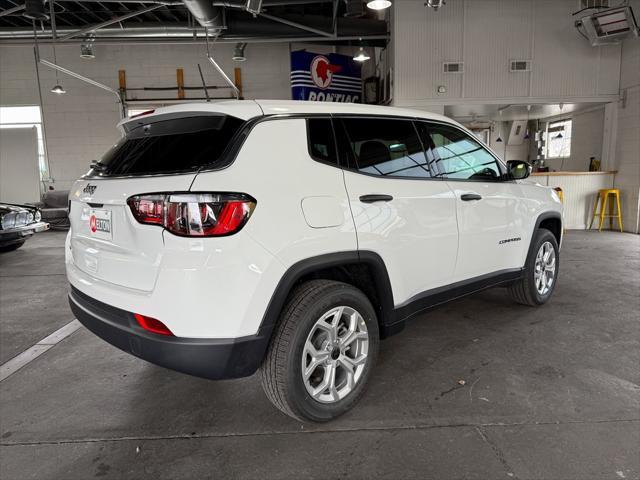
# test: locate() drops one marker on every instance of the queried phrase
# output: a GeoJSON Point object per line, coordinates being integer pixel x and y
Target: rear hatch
{"type": "Point", "coordinates": [159, 153]}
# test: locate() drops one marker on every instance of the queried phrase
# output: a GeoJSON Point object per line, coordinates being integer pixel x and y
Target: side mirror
{"type": "Point", "coordinates": [517, 169]}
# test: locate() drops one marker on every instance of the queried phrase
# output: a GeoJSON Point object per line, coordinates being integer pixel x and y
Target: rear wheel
{"type": "Point", "coordinates": [323, 351]}
{"type": "Point", "coordinates": [540, 272]}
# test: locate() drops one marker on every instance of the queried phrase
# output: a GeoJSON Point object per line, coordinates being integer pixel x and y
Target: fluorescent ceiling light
{"type": "Point", "coordinates": [378, 4]}
{"type": "Point", "coordinates": [361, 56]}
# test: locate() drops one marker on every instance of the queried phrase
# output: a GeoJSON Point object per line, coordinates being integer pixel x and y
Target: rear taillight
{"type": "Point", "coordinates": [194, 214]}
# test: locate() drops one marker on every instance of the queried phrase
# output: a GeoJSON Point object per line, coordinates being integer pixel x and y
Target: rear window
{"type": "Point", "coordinates": [171, 146]}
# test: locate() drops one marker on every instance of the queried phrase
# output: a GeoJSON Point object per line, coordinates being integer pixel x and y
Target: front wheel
{"type": "Point", "coordinates": [323, 351]}
{"type": "Point", "coordinates": [540, 272]}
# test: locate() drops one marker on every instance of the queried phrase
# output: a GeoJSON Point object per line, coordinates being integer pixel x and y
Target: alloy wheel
{"type": "Point", "coordinates": [335, 354]}
{"type": "Point", "coordinates": [545, 268]}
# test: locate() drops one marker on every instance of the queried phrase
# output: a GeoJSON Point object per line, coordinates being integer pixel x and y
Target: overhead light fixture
{"type": "Point", "coordinates": [361, 56]}
{"type": "Point", "coordinates": [526, 134]}
{"type": "Point", "coordinates": [58, 89]}
{"type": "Point", "coordinates": [253, 7]}
{"type": "Point", "coordinates": [34, 10]}
{"type": "Point", "coordinates": [238, 52]}
{"type": "Point", "coordinates": [86, 51]}
{"type": "Point", "coordinates": [435, 4]}
{"type": "Point", "coordinates": [378, 4]}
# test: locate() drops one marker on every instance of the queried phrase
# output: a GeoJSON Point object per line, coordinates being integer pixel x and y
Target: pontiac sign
{"type": "Point", "coordinates": [325, 78]}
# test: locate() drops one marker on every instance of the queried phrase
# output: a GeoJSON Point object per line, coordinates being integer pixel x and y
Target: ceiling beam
{"type": "Point", "coordinates": [98, 26]}
{"type": "Point", "coordinates": [300, 26]}
{"type": "Point", "coordinates": [11, 10]}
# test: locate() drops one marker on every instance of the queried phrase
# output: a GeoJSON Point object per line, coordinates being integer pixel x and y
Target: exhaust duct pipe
{"type": "Point", "coordinates": [206, 14]}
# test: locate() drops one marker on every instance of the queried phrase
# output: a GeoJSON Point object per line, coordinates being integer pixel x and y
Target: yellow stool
{"type": "Point", "coordinates": [602, 197]}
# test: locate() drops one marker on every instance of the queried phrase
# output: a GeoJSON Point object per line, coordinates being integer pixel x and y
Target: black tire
{"type": "Point", "coordinates": [281, 371]}
{"type": "Point", "coordinates": [11, 247]}
{"type": "Point", "coordinates": [524, 291]}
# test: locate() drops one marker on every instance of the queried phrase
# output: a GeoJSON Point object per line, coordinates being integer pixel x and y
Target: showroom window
{"type": "Point", "coordinates": [385, 147]}
{"type": "Point", "coordinates": [459, 156]}
{"type": "Point", "coordinates": [558, 139]}
{"type": "Point", "coordinates": [27, 117]}
{"type": "Point", "coordinates": [322, 145]}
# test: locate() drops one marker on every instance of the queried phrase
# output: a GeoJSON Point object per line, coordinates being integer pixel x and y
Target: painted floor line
{"type": "Point", "coordinates": [29, 355]}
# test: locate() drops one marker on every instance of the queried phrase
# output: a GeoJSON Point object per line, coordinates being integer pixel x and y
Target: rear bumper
{"type": "Point", "coordinates": [215, 359]}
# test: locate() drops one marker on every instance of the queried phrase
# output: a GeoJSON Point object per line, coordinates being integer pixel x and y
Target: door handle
{"type": "Point", "coordinates": [467, 197]}
{"type": "Point", "coordinates": [375, 197]}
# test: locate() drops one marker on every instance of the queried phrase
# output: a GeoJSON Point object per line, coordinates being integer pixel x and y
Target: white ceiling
{"type": "Point", "coordinates": [513, 112]}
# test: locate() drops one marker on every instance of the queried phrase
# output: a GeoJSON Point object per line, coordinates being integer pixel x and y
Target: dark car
{"type": "Point", "coordinates": [17, 223]}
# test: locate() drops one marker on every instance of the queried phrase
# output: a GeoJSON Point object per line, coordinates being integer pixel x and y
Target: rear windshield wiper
{"type": "Point", "coordinates": [98, 166]}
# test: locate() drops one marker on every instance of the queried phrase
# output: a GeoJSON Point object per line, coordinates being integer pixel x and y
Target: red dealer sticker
{"type": "Point", "coordinates": [100, 223]}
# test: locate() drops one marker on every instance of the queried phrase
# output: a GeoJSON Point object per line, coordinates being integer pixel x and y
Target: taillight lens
{"type": "Point", "coordinates": [194, 214]}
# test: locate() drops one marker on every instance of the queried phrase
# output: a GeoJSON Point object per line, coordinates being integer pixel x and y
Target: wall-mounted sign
{"type": "Point", "coordinates": [325, 78]}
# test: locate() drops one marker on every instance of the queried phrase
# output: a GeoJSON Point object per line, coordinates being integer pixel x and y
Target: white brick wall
{"type": "Point", "coordinates": [80, 125]}
{"type": "Point", "coordinates": [627, 159]}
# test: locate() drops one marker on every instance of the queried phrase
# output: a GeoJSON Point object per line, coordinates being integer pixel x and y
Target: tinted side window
{"type": "Point", "coordinates": [385, 147]}
{"type": "Point", "coordinates": [322, 145]}
{"type": "Point", "coordinates": [459, 156]}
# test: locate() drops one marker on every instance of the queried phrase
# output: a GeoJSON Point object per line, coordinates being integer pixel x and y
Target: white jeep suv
{"type": "Point", "coordinates": [219, 239]}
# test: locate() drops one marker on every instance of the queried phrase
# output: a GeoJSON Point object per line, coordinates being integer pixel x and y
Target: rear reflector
{"type": "Point", "coordinates": [152, 325]}
{"type": "Point", "coordinates": [194, 214]}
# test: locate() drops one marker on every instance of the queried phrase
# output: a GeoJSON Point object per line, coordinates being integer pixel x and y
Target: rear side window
{"type": "Point", "coordinates": [385, 147]}
{"type": "Point", "coordinates": [171, 146]}
{"type": "Point", "coordinates": [322, 145]}
{"type": "Point", "coordinates": [460, 157]}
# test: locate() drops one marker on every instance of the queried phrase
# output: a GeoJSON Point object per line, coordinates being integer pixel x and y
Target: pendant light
{"type": "Point", "coordinates": [58, 89]}
{"type": "Point", "coordinates": [499, 139]}
{"type": "Point", "coordinates": [238, 53]}
{"type": "Point", "coordinates": [361, 56]}
{"type": "Point", "coordinates": [526, 133]}
{"type": "Point", "coordinates": [378, 4]}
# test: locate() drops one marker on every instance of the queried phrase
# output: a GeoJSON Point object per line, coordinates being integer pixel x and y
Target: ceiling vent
{"type": "Point", "coordinates": [453, 67]}
{"type": "Point", "coordinates": [520, 66]}
{"type": "Point", "coordinates": [594, 3]}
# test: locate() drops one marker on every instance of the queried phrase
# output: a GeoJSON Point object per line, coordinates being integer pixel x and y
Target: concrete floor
{"type": "Point", "coordinates": [550, 392]}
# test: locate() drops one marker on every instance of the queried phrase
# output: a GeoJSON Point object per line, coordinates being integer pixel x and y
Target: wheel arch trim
{"type": "Point", "coordinates": [553, 215]}
{"type": "Point", "coordinates": [308, 266]}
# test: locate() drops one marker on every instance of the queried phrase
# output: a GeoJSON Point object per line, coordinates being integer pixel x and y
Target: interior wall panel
{"type": "Point", "coordinates": [487, 34]}
{"type": "Point", "coordinates": [424, 39]}
{"type": "Point", "coordinates": [490, 45]}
